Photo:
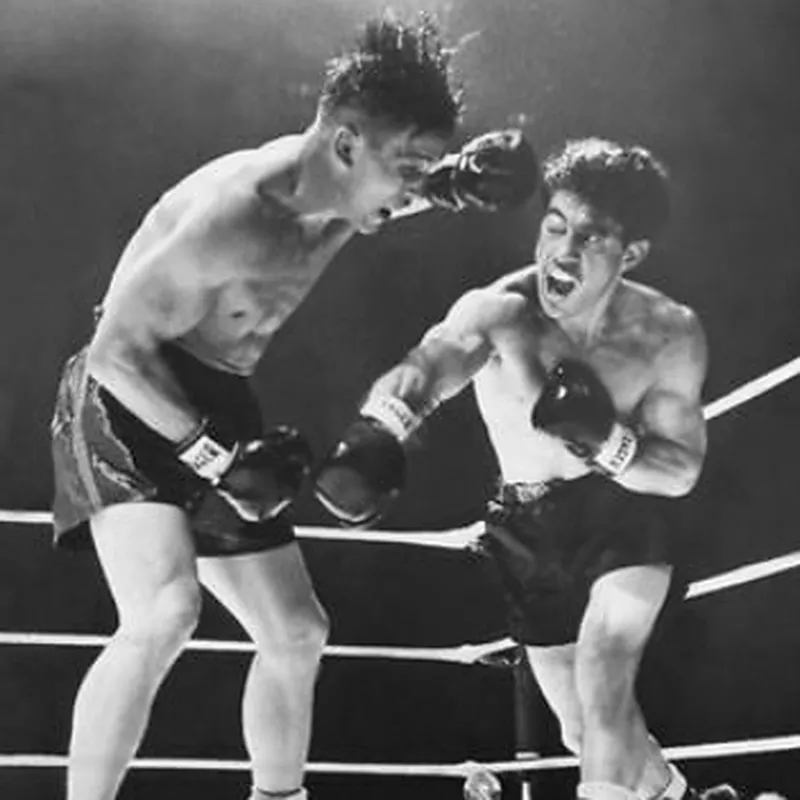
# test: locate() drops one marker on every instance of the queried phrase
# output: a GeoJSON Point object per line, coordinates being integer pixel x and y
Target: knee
{"type": "Point", "coordinates": [300, 639]}
{"type": "Point", "coordinates": [167, 620]}
{"type": "Point", "coordinates": [572, 736]}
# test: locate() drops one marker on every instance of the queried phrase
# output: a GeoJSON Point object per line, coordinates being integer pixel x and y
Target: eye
{"type": "Point", "coordinates": [553, 228]}
{"type": "Point", "coordinates": [411, 173]}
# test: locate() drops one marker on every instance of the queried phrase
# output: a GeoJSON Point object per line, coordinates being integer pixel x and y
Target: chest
{"type": "Point", "coordinates": [516, 374]}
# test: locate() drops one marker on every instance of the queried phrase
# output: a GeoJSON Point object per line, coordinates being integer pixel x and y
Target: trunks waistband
{"type": "Point", "coordinates": [525, 493]}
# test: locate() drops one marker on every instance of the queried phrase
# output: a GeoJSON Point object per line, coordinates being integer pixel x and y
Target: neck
{"type": "Point", "coordinates": [586, 329]}
{"type": "Point", "coordinates": [314, 192]}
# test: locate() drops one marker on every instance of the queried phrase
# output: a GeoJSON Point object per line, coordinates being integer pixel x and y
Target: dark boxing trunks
{"type": "Point", "coordinates": [104, 455]}
{"type": "Point", "coordinates": [548, 543]}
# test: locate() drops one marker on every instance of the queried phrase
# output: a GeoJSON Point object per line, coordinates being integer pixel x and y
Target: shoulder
{"type": "Point", "coordinates": [236, 184]}
{"type": "Point", "coordinates": [498, 304]}
{"type": "Point", "coordinates": [680, 348]}
{"type": "Point", "coordinates": [671, 322]}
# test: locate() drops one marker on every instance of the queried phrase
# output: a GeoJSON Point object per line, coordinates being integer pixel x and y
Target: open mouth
{"type": "Point", "coordinates": [560, 283]}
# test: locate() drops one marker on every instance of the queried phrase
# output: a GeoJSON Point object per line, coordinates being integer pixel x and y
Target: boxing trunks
{"type": "Point", "coordinates": [103, 455]}
{"type": "Point", "coordinates": [547, 544]}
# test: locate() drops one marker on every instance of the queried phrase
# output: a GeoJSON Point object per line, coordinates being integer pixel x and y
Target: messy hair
{"type": "Point", "coordinates": [398, 73]}
{"type": "Point", "coordinates": [626, 183]}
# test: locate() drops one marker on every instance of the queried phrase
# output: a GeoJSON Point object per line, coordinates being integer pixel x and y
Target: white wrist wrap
{"type": "Point", "coordinates": [393, 413]}
{"type": "Point", "coordinates": [618, 450]}
{"type": "Point", "coordinates": [205, 456]}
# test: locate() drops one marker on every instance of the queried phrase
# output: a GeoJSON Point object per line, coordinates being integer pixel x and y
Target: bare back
{"type": "Point", "coordinates": [643, 326]}
{"type": "Point", "coordinates": [222, 261]}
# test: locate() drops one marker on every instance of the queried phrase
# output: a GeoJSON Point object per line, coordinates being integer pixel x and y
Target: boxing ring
{"type": "Point", "coordinates": [466, 654]}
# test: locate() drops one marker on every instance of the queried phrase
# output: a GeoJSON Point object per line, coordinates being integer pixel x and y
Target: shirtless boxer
{"type": "Point", "coordinates": [589, 386]}
{"type": "Point", "coordinates": [157, 439]}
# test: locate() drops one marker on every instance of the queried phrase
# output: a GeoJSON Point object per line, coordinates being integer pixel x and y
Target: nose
{"type": "Point", "coordinates": [567, 249]}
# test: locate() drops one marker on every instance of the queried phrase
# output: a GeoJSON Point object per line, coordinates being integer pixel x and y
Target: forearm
{"type": "Point", "coordinates": [143, 382]}
{"type": "Point", "coordinates": [427, 377]}
{"type": "Point", "coordinates": [662, 467]}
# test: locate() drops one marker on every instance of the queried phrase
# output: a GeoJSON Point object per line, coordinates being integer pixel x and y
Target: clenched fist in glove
{"type": "Point", "coordinates": [493, 172]}
{"type": "Point", "coordinates": [367, 469]}
{"type": "Point", "coordinates": [259, 478]}
{"type": "Point", "coordinates": [576, 407]}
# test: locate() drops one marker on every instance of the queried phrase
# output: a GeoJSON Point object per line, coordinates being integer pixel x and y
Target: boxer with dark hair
{"type": "Point", "coordinates": [589, 385]}
{"type": "Point", "coordinates": [160, 455]}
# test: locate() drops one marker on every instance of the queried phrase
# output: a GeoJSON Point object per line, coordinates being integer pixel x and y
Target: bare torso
{"type": "Point", "coordinates": [624, 355]}
{"type": "Point", "coordinates": [247, 256]}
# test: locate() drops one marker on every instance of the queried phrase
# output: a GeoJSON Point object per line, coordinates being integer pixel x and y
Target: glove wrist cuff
{"type": "Point", "coordinates": [204, 454]}
{"type": "Point", "coordinates": [393, 413]}
{"type": "Point", "coordinates": [618, 450]}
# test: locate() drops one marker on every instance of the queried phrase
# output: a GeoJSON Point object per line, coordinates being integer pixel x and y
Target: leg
{"type": "Point", "coordinates": [616, 747]}
{"type": "Point", "coordinates": [270, 593]}
{"type": "Point", "coordinates": [554, 671]}
{"type": "Point", "coordinates": [147, 556]}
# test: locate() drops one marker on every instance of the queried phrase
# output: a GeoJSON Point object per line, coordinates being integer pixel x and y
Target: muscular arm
{"type": "Point", "coordinates": [670, 420]}
{"type": "Point", "coordinates": [160, 297]}
{"type": "Point", "coordinates": [449, 354]}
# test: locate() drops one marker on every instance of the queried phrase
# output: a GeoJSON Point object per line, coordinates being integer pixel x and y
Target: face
{"type": "Point", "coordinates": [580, 254]}
{"type": "Point", "coordinates": [383, 173]}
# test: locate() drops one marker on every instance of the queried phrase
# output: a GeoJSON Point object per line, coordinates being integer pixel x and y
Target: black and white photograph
{"type": "Point", "coordinates": [399, 399]}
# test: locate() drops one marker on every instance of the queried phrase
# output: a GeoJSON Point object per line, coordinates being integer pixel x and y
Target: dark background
{"type": "Point", "coordinates": [103, 105]}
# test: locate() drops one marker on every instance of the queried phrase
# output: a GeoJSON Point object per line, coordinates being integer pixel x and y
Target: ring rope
{"type": "Point", "coordinates": [773, 744]}
{"type": "Point", "coordinates": [463, 654]}
{"type": "Point", "coordinates": [454, 539]}
{"type": "Point", "coordinates": [721, 405]}
{"type": "Point", "coordinates": [753, 388]}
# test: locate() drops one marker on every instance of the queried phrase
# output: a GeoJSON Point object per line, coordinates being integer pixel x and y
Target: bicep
{"type": "Point", "coordinates": [672, 409]}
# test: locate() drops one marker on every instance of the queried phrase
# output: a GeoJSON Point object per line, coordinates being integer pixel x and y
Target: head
{"type": "Point", "coordinates": [606, 206]}
{"type": "Point", "coordinates": [386, 111]}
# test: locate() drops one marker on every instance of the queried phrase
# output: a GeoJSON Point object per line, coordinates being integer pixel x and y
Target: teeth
{"type": "Point", "coordinates": [562, 275]}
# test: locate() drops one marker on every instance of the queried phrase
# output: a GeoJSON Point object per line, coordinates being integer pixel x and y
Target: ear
{"type": "Point", "coordinates": [347, 145]}
{"type": "Point", "coordinates": [634, 254]}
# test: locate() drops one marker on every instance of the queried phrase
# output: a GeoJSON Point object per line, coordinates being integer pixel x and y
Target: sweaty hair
{"type": "Point", "coordinates": [396, 73]}
{"type": "Point", "coordinates": [624, 183]}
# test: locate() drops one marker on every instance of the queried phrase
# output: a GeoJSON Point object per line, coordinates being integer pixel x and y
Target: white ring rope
{"type": "Point", "coordinates": [718, 407]}
{"type": "Point", "coordinates": [773, 744]}
{"type": "Point", "coordinates": [455, 539]}
{"type": "Point", "coordinates": [463, 654]}
{"type": "Point", "coordinates": [753, 389]}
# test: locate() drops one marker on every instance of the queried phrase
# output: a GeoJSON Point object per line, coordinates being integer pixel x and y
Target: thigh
{"type": "Point", "coordinates": [269, 592]}
{"type": "Point", "coordinates": [144, 548]}
{"type": "Point", "coordinates": [624, 605]}
{"type": "Point", "coordinates": [622, 611]}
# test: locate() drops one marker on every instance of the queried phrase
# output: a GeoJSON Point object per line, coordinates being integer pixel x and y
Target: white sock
{"type": "Point", "coordinates": [293, 794]}
{"type": "Point", "coordinates": [675, 789]}
{"type": "Point", "coordinates": [596, 790]}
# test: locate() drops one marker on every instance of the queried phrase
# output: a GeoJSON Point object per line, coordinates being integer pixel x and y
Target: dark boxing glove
{"type": "Point", "coordinates": [258, 478]}
{"type": "Point", "coordinates": [494, 172]}
{"type": "Point", "coordinates": [367, 469]}
{"type": "Point", "coordinates": [576, 407]}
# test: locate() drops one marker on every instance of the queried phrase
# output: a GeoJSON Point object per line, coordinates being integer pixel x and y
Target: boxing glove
{"type": "Point", "coordinates": [493, 172]}
{"type": "Point", "coordinates": [258, 478]}
{"type": "Point", "coordinates": [576, 407]}
{"type": "Point", "coordinates": [367, 469]}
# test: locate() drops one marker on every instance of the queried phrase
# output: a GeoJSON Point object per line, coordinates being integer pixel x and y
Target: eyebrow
{"type": "Point", "coordinates": [593, 226]}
